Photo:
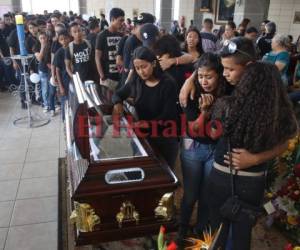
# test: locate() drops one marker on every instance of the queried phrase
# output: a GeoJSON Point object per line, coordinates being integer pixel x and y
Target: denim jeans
{"type": "Point", "coordinates": [249, 190]}
{"type": "Point", "coordinates": [196, 164]}
{"type": "Point", "coordinates": [63, 100]}
{"type": "Point", "coordinates": [51, 98]}
{"type": "Point", "coordinates": [45, 86]}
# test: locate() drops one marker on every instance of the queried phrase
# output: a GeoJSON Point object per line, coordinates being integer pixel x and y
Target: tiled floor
{"type": "Point", "coordinates": [28, 179]}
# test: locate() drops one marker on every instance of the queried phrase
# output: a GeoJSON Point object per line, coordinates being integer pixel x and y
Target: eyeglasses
{"type": "Point", "coordinates": [232, 48]}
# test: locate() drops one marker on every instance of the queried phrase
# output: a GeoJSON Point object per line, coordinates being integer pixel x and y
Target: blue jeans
{"type": "Point", "coordinates": [196, 163]}
{"type": "Point", "coordinates": [63, 100]}
{"type": "Point", "coordinates": [51, 98]}
{"type": "Point", "coordinates": [45, 86]}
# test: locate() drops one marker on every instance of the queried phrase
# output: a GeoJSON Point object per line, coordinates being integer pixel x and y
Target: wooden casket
{"type": "Point", "coordinates": [119, 186]}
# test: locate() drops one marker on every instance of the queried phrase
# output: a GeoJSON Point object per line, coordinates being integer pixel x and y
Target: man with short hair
{"type": "Point", "coordinates": [264, 42]}
{"type": "Point", "coordinates": [106, 50]}
{"type": "Point", "coordinates": [78, 54]}
{"type": "Point", "coordinates": [208, 38]}
{"type": "Point", "coordinates": [251, 33]}
{"type": "Point", "coordinates": [9, 25]}
{"type": "Point", "coordinates": [103, 22]}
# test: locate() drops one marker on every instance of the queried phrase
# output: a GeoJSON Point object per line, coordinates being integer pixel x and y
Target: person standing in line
{"type": "Point", "coordinates": [106, 50]}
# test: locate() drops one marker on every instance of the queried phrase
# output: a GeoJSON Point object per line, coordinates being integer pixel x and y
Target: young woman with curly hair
{"type": "Point", "coordinates": [257, 122]}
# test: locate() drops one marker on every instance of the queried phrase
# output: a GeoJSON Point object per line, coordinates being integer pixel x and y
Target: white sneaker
{"type": "Point", "coordinates": [52, 113]}
{"type": "Point", "coordinates": [57, 108]}
{"type": "Point", "coordinates": [45, 109]}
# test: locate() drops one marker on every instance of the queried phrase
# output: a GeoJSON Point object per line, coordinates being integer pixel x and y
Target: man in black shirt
{"type": "Point", "coordinates": [32, 37]}
{"type": "Point", "coordinates": [63, 78]}
{"type": "Point", "coordinates": [134, 41]}
{"type": "Point", "coordinates": [78, 54]}
{"type": "Point", "coordinates": [265, 41]}
{"type": "Point", "coordinates": [9, 25]}
{"type": "Point", "coordinates": [106, 50]}
{"type": "Point", "coordinates": [103, 23]}
{"type": "Point", "coordinates": [94, 30]}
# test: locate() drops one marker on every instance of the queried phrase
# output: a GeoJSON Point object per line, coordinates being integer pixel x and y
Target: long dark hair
{"type": "Point", "coordinates": [143, 53]}
{"type": "Point", "coordinates": [213, 62]}
{"type": "Point", "coordinates": [259, 114]}
{"type": "Point", "coordinates": [199, 45]}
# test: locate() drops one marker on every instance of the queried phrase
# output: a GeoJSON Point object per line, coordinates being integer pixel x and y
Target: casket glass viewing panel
{"type": "Point", "coordinates": [108, 141]}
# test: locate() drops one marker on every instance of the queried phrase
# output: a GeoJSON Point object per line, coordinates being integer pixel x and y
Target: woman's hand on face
{"type": "Point", "coordinates": [241, 159]}
{"type": "Point", "coordinates": [118, 109]}
{"type": "Point", "coordinates": [187, 91]}
{"type": "Point", "coordinates": [205, 101]}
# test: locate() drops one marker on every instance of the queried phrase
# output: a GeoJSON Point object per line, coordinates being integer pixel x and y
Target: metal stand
{"type": "Point", "coordinates": [31, 120]}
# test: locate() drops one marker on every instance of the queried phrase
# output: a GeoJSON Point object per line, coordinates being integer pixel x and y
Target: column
{"type": "Point", "coordinates": [166, 7]}
{"type": "Point", "coordinates": [255, 10]}
{"type": "Point", "coordinates": [16, 5]}
{"type": "Point", "coordinates": [82, 7]}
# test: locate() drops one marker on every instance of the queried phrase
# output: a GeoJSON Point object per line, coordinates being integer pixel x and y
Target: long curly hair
{"type": "Point", "coordinates": [258, 114]}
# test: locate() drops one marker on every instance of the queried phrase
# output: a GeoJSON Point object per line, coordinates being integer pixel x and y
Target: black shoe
{"type": "Point", "coordinates": [35, 102]}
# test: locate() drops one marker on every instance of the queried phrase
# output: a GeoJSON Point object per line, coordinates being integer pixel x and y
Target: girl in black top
{"type": "Point", "coordinates": [153, 94]}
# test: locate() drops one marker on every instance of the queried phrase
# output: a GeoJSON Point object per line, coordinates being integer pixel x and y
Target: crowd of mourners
{"type": "Point", "coordinates": [234, 88]}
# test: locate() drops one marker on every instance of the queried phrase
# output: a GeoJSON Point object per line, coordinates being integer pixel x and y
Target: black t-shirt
{"type": "Point", "coordinates": [13, 42]}
{"type": "Point", "coordinates": [103, 24]}
{"type": "Point", "coordinates": [107, 42]}
{"type": "Point", "coordinates": [130, 45]}
{"type": "Point", "coordinates": [8, 29]}
{"type": "Point", "coordinates": [156, 103]}
{"type": "Point", "coordinates": [81, 59]}
{"type": "Point", "coordinates": [222, 148]}
{"type": "Point", "coordinates": [30, 42]}
{"type": "Point", "coordinates": [92, 37]}
{"type": "Point", "coordinates": [59, 62]}
{"type": "Point", "coordinates": [42, 65]}
{"type": "Point", "coordinates": [192, 112]}
{"type": "Point", "coordinates": [59, 59]}
{"type": "Point", "coordinates": [3, 45]}
{"type": "Point", "coordinates": [55, 47]}
{"type": "Point", "coordinates": [121, 45]}
{"type": "Point", "coordinates": [264, 44]}
{"type": "Point", "coordinates": [180, 73]}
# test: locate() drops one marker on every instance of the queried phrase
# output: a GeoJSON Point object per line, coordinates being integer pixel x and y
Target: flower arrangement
{"type": "Point", "coordinates": [284, 193]}
{"type": "Point", "coordinates": [208, 241]}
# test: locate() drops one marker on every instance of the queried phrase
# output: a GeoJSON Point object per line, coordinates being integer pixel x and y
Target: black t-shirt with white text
{"type": "Point", "coordinates": [107, 42]}
{"type": "Point", "coordinates": [81, 59]}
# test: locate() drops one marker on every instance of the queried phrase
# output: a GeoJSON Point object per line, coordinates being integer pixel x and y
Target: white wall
{"type": "Point", "coordinates": [282, 13]}
{"type": "Point", "coordinates": [94, 6]}
{"type": "Point", "coordinates": [5, 6]}
{"type": "Point", "coordinates": [38, 7]}
{"type": "Point", "coordinates": [186, 8]}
